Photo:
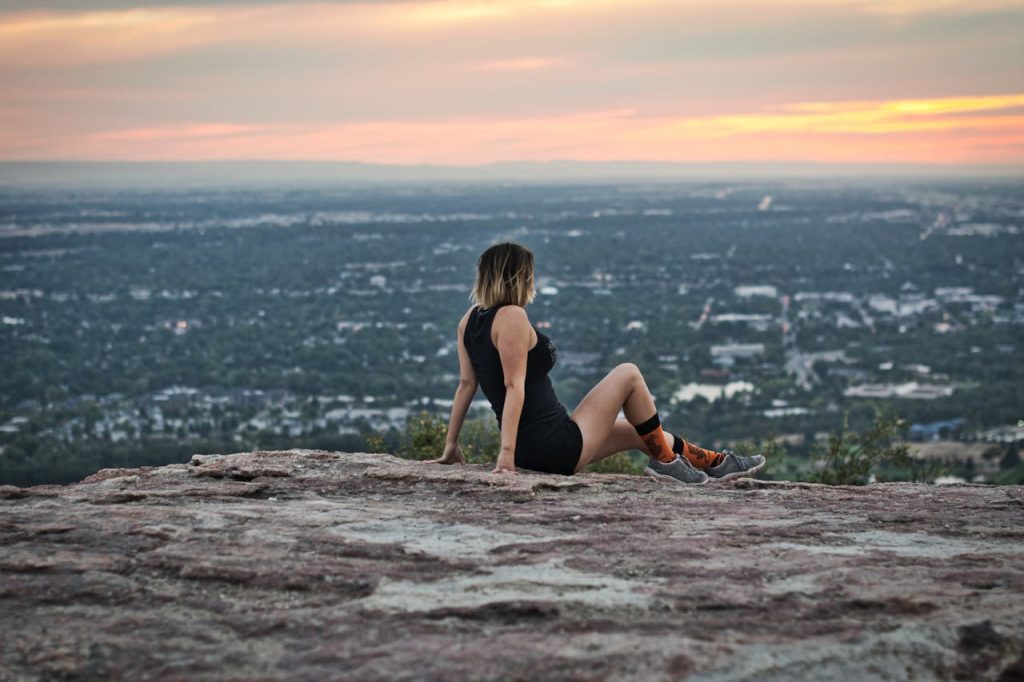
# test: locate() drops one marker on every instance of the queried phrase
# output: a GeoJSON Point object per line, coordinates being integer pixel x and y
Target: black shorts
{"type": "Point", "coordinates": [553, 448]}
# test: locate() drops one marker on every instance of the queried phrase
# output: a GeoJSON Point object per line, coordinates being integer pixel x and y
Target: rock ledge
{"type": "Point", "coordinates": [316, 565]}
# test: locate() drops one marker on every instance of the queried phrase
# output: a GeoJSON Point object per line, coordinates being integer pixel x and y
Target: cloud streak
{"type": "Point", "coordinates": [517, 64]}
{"type": "Point", "coordinates": [903, 130]}
{"type": "Point", "coordinates": [868, 118]}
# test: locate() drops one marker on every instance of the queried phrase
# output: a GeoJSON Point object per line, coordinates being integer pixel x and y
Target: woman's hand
{"type": "Point", "coordinates": [504, 465]}
{"type": "Point", "coordinates": [452, 455]}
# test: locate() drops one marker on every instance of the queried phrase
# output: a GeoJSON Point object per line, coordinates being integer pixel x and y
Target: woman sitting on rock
{"type": "Point", "coordinates": [500, 351]}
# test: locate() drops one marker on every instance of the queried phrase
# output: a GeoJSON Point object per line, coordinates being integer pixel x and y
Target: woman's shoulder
{"type": "Point", "coordinates": [511, 315]}
{"type": "Point", "coordinates": [466, 316]}
{"type": "Point", "coordinates": [511, 321]}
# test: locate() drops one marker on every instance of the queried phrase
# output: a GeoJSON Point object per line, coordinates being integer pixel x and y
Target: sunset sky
{"type": "Point", "coordinates": [465, 82]}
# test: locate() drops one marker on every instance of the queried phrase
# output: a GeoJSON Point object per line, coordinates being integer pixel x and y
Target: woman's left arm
{"type": "Point", "coordinates": [464, 393]}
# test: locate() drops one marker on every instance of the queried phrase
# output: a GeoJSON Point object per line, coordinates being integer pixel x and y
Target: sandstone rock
{"type": "Point", "coordinates": [306, 565]}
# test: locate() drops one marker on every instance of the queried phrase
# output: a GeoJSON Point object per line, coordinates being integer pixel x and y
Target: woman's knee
{"type": "Point", "coordinates": [628, 369]}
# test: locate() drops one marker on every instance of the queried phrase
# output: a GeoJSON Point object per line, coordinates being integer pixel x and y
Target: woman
{"type": "Point", "coordinates": [500, 351]}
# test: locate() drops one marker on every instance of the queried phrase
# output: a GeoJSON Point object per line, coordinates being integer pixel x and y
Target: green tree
{"type": "Point", "coordinates": [851, 458]}
{"type": "Point", "coordinates": [1011, 459]}
{"type": "Point", "coordinates": [423, 437]}
{"type": "Point", "coordinates": [632, 462]}
{"type": "Point", "coordinates": [779, 465]}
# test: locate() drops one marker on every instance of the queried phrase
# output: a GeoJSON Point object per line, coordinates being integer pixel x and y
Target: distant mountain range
{"type": "Point", "coordinates": [155, 174]}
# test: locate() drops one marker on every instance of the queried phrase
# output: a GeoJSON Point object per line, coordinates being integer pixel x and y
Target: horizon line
{"type": "Point", "coordinates": [30, 173]}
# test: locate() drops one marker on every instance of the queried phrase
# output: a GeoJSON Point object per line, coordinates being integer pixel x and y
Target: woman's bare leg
{"type": "Point", "coordinates": [597, 414]}
{"type": "Point", "coordinates": [623, 437]}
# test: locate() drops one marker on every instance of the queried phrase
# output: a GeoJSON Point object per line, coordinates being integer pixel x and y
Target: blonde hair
{"type": "Point", "coordinates": [504, 275]}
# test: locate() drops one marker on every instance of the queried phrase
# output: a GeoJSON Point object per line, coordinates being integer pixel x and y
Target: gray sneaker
{"type": "Point", "coordinates": [735, 466]}
{"type": "Point", "coordinates": [677, 471]}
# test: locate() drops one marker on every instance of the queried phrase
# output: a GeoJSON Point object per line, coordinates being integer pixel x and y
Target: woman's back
{"type": "Point", "coordinates": [540, 404]}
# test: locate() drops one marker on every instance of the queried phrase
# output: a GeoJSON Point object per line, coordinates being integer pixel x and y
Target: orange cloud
{"type": "Point", "coordinates": [178, 133]}
{"type": "Point", "coordinates": [925, 131]}
{"type": "Point", "coordinates": [34, 39]}
{"type": "Point", "coordinates": [56, 38]}
{"type": "Point", "coordinates": [520, 64]}
{"type": "Point", "coordinates": [444, 12]}
{"type": "Point", "coordinates": [868, 118]}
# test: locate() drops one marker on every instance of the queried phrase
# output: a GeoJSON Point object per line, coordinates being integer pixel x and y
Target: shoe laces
{"type": "Point", "coordinates": [741, 460]}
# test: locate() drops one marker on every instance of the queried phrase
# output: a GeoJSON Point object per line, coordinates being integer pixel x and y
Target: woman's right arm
{"type": "Point", "coordinates": [464, 393]}
{"type": "Point", "coordinates": [512, 329]}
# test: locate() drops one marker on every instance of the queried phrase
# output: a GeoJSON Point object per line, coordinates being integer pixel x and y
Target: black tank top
{"type": "Point", "coordinates": [540, 404]}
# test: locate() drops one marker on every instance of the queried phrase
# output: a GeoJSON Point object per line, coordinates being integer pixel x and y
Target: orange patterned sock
{"type": "Point", "coordinates": [653, 436]}
{"type": "Point", "coordinates": [697, 456]}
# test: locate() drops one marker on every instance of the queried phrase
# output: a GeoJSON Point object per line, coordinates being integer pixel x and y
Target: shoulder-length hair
{"type": "Point", "coordinates": [504, 275]}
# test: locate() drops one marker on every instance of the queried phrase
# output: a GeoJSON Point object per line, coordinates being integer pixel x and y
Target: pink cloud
{"type": "Point", "coordinates": [948, 130]}
{"type": "Point", "coordinates": [517, 64]}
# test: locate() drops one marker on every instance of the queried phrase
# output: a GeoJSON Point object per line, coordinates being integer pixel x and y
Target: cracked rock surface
{"type": "Point", "coordinates": [308, 565]}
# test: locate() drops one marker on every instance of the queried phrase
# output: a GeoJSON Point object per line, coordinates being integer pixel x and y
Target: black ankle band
{"type": "Point", "coordinates": [648, 426]}
{"type": "Point", "coordinates": [677, 444]}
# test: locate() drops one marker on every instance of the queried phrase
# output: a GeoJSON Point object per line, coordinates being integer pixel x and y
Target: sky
{"type": "Point", "coordinates": [465, 82]}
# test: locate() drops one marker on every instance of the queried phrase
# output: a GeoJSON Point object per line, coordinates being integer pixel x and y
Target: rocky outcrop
{"type": "Point", "coordinates": [307, 565]}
